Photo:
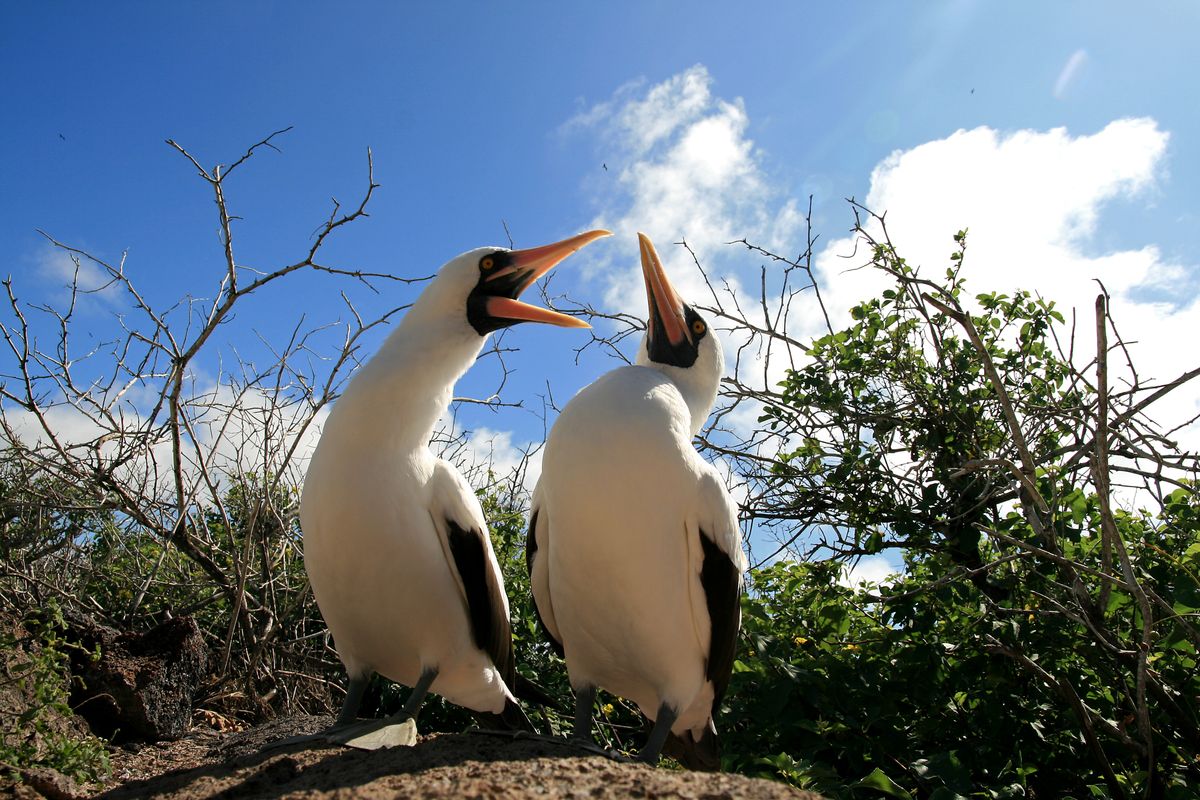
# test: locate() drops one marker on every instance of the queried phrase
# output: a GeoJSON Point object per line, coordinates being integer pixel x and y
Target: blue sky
{"type": "Point", "coordinates": [483, 112]}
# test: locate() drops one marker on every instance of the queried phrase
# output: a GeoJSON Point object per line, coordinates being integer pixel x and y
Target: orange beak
{"type": "Point", "coordinates": [665, 305]}
{"type": "Point", "coordinates": [526, 266]}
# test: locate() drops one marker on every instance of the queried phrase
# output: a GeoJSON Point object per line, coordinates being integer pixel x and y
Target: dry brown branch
{"type": "Point", "coordinates": [1112, 539]}
{"type": "Point", "coordinates": [183, 483]}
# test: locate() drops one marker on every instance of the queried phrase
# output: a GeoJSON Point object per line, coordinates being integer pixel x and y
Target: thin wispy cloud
{"type": "Point", "coordinates": [1070, 72]}
{"type": "Point", "coordinates": [59, 269]}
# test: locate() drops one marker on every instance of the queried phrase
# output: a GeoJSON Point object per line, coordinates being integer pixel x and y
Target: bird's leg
{"type": "Point", "coordinates": [658, 736]}
{"type": "Point", "coordinates": [346, 717]}
{"type": "Point", "coordinates": [418, 695]}
{"type": "Point", "coordinates": [350, 706]}
{"type": "Point", "coordinates": [584, 698]}
{"type": "Point", "coordinates": [398, 729]}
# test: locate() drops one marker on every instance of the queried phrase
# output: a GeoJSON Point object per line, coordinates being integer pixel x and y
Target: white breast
{"type": "Point", "coordinates": [380, 576]}
{"type": "Point", "coordinates": [618, 484]}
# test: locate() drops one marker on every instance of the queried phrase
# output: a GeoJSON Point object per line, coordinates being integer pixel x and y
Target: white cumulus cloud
{"type": "Point", "coordinates": [235, 431]}
{"type": "Point", "coordinates": [498, 453]}
{"type": "Point", "coordinates": [876, 570]}
{"type": "Point", "coordinates": [1034, 202]}
{"type": "Point", "coordinates": [685, 170]}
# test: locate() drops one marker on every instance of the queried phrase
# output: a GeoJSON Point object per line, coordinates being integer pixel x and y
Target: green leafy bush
{"type": "Point", "coordinates": [37, 726]}
{"type": "Point", "coordinates": [1041, 642]}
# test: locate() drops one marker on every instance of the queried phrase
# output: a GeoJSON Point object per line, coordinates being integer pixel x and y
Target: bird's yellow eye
{"type": "Point", "coordinates": [698, 327]}
{"type": "Point", "coordinates": [487, 262]}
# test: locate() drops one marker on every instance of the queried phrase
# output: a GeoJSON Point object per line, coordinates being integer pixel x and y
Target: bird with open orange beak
{"type": "Point", "coordinates": [395, 541]}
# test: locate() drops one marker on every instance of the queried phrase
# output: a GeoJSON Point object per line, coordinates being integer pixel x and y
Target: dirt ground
{"type": "Point", "coordinates": [208, 764]}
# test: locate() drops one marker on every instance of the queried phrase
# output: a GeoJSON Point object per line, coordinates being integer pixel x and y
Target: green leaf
{"type": "Point", "coordinates": [880, 782]}
{"type": "Point", "coordinates": [942, 793]}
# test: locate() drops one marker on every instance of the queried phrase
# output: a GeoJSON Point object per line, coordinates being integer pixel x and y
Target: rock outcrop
{"type": "Point", "coordinates": [141, 687]}
{"type": "Point", "coordinates": [439, 767]}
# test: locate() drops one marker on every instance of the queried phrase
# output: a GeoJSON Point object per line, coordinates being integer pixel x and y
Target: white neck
{"type": "Point", "coordinates": [698, 390]}
{"type": "Point", "coordinates": [402, 391]}
{"type": "Point", "coordinates": [697, 383]}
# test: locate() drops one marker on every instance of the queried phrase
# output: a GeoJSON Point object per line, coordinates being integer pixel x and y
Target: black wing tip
{"type": "Point", "coordinates": [513, 717]}
{"type": "Point", "coordinates": [510, 718]}
{"type": "Point", "coordinates": [531, 546]}
{"type": "Point", "coordinates": [721, 579]}
{"type": "Point", "coordinates": [532, 693]}
{"type": "Point", "coordinates": [490, 628]}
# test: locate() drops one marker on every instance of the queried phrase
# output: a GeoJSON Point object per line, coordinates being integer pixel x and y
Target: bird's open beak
{"type": "Point", "coordinates": [522, 268]}
{"type": "Point", "coordinates": [665, 306]}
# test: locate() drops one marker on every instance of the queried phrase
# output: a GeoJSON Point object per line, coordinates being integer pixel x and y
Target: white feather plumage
{"type": "Point", "coordinates": [374, 500]}
{"type": "Point", "coordinates": [620, 504]}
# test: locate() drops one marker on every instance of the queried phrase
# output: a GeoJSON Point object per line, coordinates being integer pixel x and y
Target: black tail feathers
{"type": "Point", "coordinates": [702, 755]}
{"type": "Point", "coordinates": [512, 718]}
{"type": "Point", "coordinates": [533, 694]}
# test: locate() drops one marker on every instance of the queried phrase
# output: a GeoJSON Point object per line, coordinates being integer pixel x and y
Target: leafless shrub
{"type": "Point", "coordinates": [135, 489]}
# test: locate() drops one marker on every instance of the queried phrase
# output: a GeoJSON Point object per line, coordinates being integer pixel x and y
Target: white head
{"type": "Point", "coordinates": [482, 285]}
{"type": "Point", "coordinates": [678, 341]}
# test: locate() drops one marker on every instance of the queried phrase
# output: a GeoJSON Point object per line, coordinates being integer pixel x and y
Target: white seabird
{"type": "Point", "coordinates": [395, 541]}
{"type": "Point", "coordinates": [634, 551]}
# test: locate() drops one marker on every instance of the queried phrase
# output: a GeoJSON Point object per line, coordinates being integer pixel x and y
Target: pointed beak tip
{"type": "Point", "coordinates": [542, 259]}
{"type": "Point", "coordinates": [584, 239]}
{"type": "Point", "coordinates": [646, 250]}
{"type": "Point", "coordinates": [565, 321]}
{"type": "Point", "coordinates": [512, 309]}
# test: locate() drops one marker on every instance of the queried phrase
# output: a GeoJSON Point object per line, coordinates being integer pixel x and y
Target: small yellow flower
{"type": "Point", "coordinates": [606, 709]}
{"type": "Point", "coordinates": [800, 641]}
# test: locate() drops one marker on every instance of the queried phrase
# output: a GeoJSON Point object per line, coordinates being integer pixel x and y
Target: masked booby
{"type": "Point", "coordinates": [633, 549]}
{"type": "Point", "coordinates": [395, 541]}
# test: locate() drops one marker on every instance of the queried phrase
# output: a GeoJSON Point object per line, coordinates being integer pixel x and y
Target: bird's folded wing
{"type": "Point", "coordinates": [538, 563]}
{"type": "Point", "coordinates": [460, 524]}
{"type": "Point", "coordinates": [717, 584]}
